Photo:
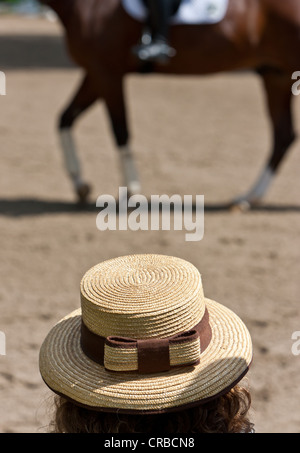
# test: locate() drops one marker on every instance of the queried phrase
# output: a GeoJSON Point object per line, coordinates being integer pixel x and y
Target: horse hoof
{"type": "Point", "coordinates": [83, 192]}
{"type": "Point", "coordinates": [241, 205]}
{"type": "Point", "coordinates": [134, 188]}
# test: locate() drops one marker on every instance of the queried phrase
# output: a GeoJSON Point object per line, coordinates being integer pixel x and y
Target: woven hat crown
{"type": "Point", "coordinates": [145, 340]}
{"type": "Point", "coordinates": [142, 296]}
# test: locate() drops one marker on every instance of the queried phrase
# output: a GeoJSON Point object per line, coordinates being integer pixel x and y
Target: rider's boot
{"type": "Point", "coordinates": [157, 49]}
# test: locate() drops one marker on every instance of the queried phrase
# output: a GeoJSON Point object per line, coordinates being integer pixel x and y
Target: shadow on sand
{"type": "Point", "coordinates": [33, 52]}
{"type": "Point", "coordinates": [25, 207]}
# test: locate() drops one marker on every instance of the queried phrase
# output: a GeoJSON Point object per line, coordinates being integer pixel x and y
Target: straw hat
{"type": "Point", "coordinates": [145, 340]}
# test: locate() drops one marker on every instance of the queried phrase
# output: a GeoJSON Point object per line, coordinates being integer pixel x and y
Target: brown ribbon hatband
{"type": "Point", "coordinates": [153, 355]}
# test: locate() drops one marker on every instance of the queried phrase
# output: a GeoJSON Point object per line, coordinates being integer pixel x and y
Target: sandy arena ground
{"type": "Point", "coordinates": [207, 136]}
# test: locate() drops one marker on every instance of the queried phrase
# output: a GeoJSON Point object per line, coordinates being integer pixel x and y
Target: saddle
{"type": "Point", "coordinates": [184, 11]}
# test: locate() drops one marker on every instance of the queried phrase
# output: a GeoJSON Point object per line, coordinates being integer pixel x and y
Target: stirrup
{"type": "Point", "coordinates": [158, 51]}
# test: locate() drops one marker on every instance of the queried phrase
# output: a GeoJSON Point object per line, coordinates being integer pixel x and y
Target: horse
{"type": "Point", "coordinates": [262, 36]}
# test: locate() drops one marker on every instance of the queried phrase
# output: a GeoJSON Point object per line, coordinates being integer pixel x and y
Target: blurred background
{"type": "Point", "coordinates": [194, 135]}
{"type": "Point", "coordinates": [21, 7]}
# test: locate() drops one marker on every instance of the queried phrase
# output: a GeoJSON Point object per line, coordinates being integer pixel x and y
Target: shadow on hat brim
{"type": "Point", "coordinates": [67, 371]}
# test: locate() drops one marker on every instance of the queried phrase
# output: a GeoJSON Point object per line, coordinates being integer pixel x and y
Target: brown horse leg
{"type": "Point", "coordinates": [83, 99]}
{"type": "Point", "coordinates": [279, 101]}
{"type": "Point", "coordinates": [115, 103]}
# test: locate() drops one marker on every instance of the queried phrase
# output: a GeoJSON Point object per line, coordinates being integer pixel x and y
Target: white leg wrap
{"type": "Point", "coordinates": [70, 155]}
{"type": "Point", "coordinates": [259, 189]}
{"type": "Point", "coordinates": [130, 175]}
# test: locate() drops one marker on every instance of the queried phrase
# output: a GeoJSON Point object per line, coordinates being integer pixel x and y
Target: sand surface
{"type": "Point", "coordinates": [207, 136]}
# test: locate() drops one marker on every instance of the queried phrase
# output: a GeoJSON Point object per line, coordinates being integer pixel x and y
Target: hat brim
{"type": "Point", "coordinates": [69, 372]}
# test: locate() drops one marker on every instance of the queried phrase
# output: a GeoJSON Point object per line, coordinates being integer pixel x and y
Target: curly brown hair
{"type": "Point", "coordinates": [225, 414]}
